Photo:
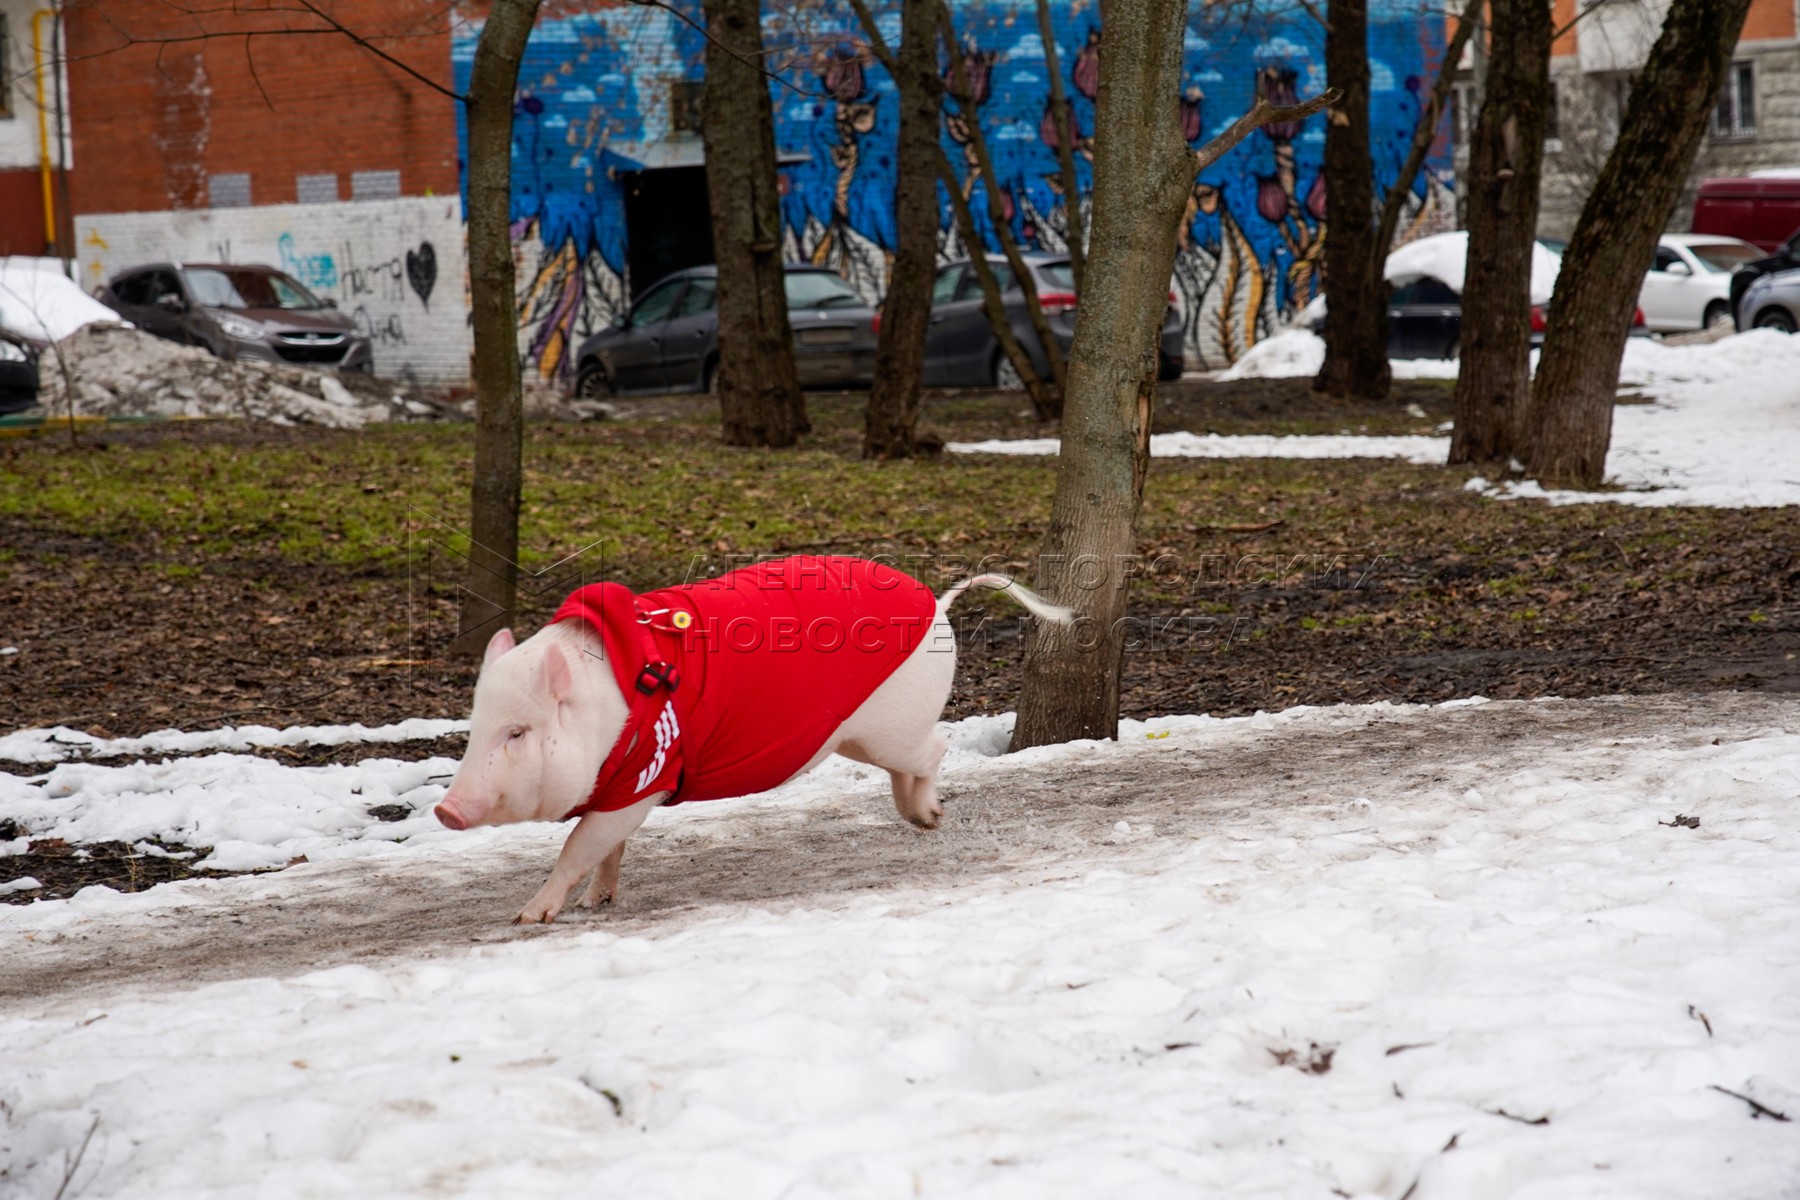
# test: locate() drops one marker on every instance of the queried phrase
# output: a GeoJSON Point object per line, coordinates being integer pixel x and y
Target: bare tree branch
{"type": "Point", "coordinates": [1261, 113]}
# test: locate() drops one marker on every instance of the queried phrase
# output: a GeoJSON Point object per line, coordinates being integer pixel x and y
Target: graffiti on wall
{"type": "Point", "coordinates": [379, 261]}
{"type": "Point", "coordinates": [596, 89]}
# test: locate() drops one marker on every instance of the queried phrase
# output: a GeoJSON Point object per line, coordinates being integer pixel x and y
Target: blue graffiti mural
{"type": "Point", "coordinates": [598, 89]}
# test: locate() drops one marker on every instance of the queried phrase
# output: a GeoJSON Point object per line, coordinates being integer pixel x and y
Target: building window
{"type": "Point", "coordinates": [6, 71]}
{"type": "Point", "coordinates": [374, 185]}
{"type": "Point", "coordinates": [316, 189]}
{"type": "Point", "coordinates": [1735, 114]}
{"type": "Point", "coordinates": [228, 191]}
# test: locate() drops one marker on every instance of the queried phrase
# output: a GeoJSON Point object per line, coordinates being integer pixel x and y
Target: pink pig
{"type": "Point", "coordinates": [723, 688]}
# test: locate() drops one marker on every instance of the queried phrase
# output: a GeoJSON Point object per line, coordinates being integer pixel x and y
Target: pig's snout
{"type": "Point", "coordinates": [451, 815]}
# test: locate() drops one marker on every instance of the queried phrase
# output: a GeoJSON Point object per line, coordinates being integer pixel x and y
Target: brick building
{"type": "Point", "coordinates": [1756, 125]}
{"type": "Point", "coordinates": [35, 156]}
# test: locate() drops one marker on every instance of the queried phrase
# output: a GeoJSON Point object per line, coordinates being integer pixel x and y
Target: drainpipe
{"type": "Point", "coordinates": [37, 61]}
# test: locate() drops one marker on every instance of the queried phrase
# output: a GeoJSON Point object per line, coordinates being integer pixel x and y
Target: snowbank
{"type": "Point", "coordinates": [1301, 352]}
{"type": "Point", "coordinates": [40, 302]}
{"type": "Point", "coordinates": [61, 742]}
{"type": "Point", "coordinates": [1479, 985]}
{"type": "Point", "coordinates": [1256, 445]}
{"type": "Point", "coordinates": [117, 371]}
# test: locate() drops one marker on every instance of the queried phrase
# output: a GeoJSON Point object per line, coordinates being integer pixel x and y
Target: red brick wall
{"type": "Point", "coordinates": [22, 213]}
{"type": "Point", "coordinates": [155, 110]}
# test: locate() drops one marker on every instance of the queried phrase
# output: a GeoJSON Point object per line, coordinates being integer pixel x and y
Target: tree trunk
{"type": "Point", "coordinates": [759, 389]}
{"type": "Point", "coordinates": [1062, 114]}
{"type": "Point", "coordinates": [1356, 362]}
{"type": "Point", "coordinates": [1570, 425]}
{"type": "Point", "coordinates": [1506, 156]}
{"type": "Point", "coordinates": [491, 589]}
{"type": "Point", "coordinates": [893, 412]}
{"type": "Point", "coordinates": [1143, 172]}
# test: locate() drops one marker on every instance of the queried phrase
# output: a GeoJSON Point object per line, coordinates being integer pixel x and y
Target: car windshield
{"type": "Point", "coordinates": [1724, 256]}
{"type": "Point", "coordinates": [819, 289]}
{"type": "Point", "coordinates": [214, 288]}
{"type": "Point", "coordinates": [1057, 275]}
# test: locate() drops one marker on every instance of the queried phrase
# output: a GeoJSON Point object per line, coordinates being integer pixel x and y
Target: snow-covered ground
{"type": "Point", "coordinates": [1364, 951]}
{"type": "Point", "coordinates": [1723, 428]}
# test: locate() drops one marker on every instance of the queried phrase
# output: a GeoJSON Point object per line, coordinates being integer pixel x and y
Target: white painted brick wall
{"type": "Point", "coordinates": [397, 267]}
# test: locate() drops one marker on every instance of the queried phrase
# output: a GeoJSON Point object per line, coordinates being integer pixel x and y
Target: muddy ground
{"type": "Point", "coordinates": [1020, 823]}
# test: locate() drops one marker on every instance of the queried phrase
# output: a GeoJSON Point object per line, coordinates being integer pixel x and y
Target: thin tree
{"type": "Point", "coordinates": [1569, 427]}
{"type": "Point", "coordinates": [968, 104]}
{"type": "Point", "coordinates": [491, 593]}
{"type": "Point", "coordinates": [892, 418]}
{"type": "Point", "coordinates": [1143, 173]}
{"type": "Point", "coordinates": [760, 401]}
{"type": "Point", "coordinates": [1062, 119]}
{"type": "Point", "coordinates": [1506, 156]}
{"type": "Point", "coordinates": [1356, 362]}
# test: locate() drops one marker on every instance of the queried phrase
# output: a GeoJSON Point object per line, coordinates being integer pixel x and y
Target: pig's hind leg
{"type": "Point", "coordinates": [896, 728]}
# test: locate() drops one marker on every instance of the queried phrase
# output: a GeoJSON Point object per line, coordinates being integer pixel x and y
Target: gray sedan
{"type": "Point", "coordinates": [961, 349]}
{"type": "Point", "coordinates": [669, 340]}
{"type": "Point", "coordinates": [1771, 302]}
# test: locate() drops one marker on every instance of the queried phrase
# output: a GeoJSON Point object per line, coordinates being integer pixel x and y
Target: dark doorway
{"type": "Point", "coordinates": [668, 226]}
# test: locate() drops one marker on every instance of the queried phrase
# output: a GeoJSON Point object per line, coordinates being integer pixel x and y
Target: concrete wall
{"type": "Point", "coordinates": [398, 267]}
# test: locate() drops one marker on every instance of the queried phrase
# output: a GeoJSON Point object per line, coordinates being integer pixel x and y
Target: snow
{"type": "Point", "coordinates": [1530, 943]}
{"type": "Point", "coordinates": [1212, 445]}
{"type": "Point", "coordinates": [1301, 352]}
{"type": "Point", "coordinates": [61, 742]}
{"type": "Point", "coordinates": [40, 302]}
{"type": "Point", "coordinates": [1723, 428]}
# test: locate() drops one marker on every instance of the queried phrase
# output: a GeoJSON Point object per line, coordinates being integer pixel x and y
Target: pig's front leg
{"type": "Point", "coordinates": [605, 884]}
{"type": "Point", "coordinates": [594, 839]}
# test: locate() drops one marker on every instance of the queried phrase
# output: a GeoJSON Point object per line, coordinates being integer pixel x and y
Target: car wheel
{"type": "Point", "coordinates": [1778, 319]}
{"type": "Point", "coordinates": [1168, 369]}
{"type": "Point", "coordinates": [1716, 312]}
{"type": "Point", "coordinates": [1006, 376]}
{"type": "Point", "coordinates": [709, 377]}
{"type": "Point", "coordinates": [590, 382]}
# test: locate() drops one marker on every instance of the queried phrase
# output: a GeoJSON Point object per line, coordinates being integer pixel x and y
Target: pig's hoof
{"type": "Point", "coordinates": [926, 820]}
{"type": "Point", "coordinates": [531, 918]}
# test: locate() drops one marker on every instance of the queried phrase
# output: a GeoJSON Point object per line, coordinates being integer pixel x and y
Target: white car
{"type": "Point", "coordinates": [1689, 285]}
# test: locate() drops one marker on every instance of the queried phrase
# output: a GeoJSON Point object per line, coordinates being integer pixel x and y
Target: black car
{"type": "Point", "coordinates": [1425, 320]}
{"type": "Point", "coordinates": [961, 349]}
{"type": "Point", "coordinates": [238, 312]}
{"type": "Point", "coordinates": [18, 373]}
{"type": "Point", "coordinates": [669, 340]}
{"type": "Point", "coordinates": [1786, 258]}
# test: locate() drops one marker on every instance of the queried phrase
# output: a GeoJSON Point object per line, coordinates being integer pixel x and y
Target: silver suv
{"type": "Point", "coordinates": [238, 312]}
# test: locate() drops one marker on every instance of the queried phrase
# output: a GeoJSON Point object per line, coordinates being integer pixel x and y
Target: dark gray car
{"type": "Point", "coordinates": [669, 341]}
{"type": "Point", "coordinates": [961, 349]}
{"type": "Point", "coordinates": [238, 312]}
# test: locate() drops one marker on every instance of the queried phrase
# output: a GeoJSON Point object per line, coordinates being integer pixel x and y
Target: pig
{"type": "Point", "coordinates": [723, 688]}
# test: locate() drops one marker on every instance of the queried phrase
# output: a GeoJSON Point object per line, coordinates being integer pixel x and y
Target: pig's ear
{"type": "Point", "coordinates": [499, 644]}
{"type": "Point", "coordinates": [558, 679]}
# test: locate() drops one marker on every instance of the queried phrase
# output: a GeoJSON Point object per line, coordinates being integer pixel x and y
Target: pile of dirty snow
{"type": "Point", "coordinates": [1300, 352]}
{"type": "Point", "coordinates": [115, 371]}
{"type": "Point", "coordinates": [38, 301]}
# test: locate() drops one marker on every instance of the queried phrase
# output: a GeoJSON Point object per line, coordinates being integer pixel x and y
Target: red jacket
{"type": "Point", "coordinates": [735, 683]}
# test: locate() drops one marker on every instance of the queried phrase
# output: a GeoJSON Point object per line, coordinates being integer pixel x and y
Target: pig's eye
{"type": "Point", "coordinates": [516, 734]}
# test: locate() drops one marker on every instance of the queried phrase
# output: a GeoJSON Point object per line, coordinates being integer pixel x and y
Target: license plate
{"type": "Point", "coordinates": [826, 337]}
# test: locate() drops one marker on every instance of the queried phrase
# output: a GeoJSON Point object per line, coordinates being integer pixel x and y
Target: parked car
{"type": "Point", "coordinates": [41, 304]}
{"type": "Point", "coordinates": [1771, 302]}
{"type": "Point", "coordinates": [961, 349]}
{"type": "Point", "coordinates": [669, 340]}
{"type": "Point", "coordinates": [18, 373]}
{"type": "Point", "coordinates": [1762, 209]}
{"type": "Point", "coordinates": [1425, 279]}
{"type": "Point", "coordinates": [238, 312]}
{"type": "Point", "coordinates": [1785, 258]}
{"type": "Point", "coordinates": [1688, 285]}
